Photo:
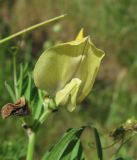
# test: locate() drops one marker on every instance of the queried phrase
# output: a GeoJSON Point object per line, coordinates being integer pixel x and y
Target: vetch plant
{"type": "Point", "coordinates": [63, 76]}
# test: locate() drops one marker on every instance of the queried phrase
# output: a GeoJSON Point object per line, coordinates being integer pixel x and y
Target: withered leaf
{"type": "Point", "coordinates": [20, 108]}
{"type": "Point", "coordinates": [119, 133]}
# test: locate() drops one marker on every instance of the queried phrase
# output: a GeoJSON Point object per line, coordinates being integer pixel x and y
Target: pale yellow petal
{"type": "Point", "coordinates": [88, 69]}
{"type": "Point", "coordinates": [58, 65]}
{"type": "Point", "coordinates": [68, 95]}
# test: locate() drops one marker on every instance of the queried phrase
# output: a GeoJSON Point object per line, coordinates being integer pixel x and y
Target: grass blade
{"type": "Point", "coordinates": [30, 29]}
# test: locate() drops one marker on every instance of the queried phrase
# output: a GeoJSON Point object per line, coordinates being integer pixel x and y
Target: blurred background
{"type": "Point", "coordinates": [112, 25]}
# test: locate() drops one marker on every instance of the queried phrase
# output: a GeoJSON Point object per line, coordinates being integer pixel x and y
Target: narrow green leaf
{"type": "Point", "coordinates": [28, 89]}
{"type": "Point", "coordinates": [67, 153]}
{"type": "Point", "coordinates": [58, 150]}
{"type": "Point", "coordinates": [20, 80]}
{"type": "Point", "coordinates": [25, 68]}
{"type": "Point", "coordinates": [10, 91]}
{"type": "Point", "coordinates": [77, 152]}
{"type": "Point", "coordinates": [39, 106]}
{"type": "Point", "coordinates": [15, 77]}
{"type": "Point", "coordinates": [74, 151]}
{"type": "Point", "coordinates": [98, 144]}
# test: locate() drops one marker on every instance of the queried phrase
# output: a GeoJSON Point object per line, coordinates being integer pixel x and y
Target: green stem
{"type": "Point", "coordinates": [43, 118]}
{"type": "Point", "coordinates": [31, 144]}
{"type": "Point", "coordinates": [30, 29]}
{"type": "Point", "coordinates": [32, 131]}
{"type": "Point", "coordinates": [32, 134]}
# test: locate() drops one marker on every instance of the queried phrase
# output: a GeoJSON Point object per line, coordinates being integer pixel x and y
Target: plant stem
{"type": "Point", "coordinates": [30, 29]}
{"type": "Point", "coordinates": [43, 118]}
{"type": "Point", "coordinates": [32, 136]}
{"type": "Point", "coordinates": [31, 131]}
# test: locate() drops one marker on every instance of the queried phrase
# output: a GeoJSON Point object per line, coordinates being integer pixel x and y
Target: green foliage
{"type": "Point", "coordinates": [69, 147]}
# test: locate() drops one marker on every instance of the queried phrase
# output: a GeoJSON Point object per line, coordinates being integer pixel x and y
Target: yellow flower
{"type": "Point", "coordinates": [67, 71]}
